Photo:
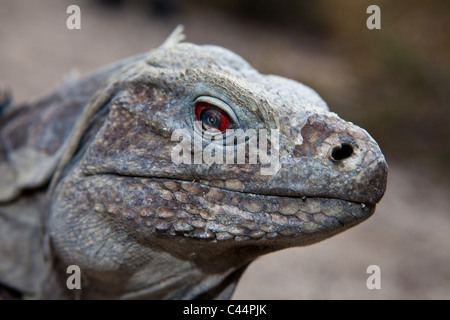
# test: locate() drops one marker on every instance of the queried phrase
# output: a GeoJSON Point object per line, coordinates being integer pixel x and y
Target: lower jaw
{"type": "Point", "coordinates": [171, 207]}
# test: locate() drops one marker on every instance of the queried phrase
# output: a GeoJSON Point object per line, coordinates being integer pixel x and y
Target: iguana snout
{"type": "Point", "coordinates": [337, 159]}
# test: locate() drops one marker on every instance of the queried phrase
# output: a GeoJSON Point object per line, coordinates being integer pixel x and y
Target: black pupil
{"type": "Point", "coordinates": [210, 119]}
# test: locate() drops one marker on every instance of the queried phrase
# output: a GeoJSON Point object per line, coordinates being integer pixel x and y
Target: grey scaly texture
{"type": "Point", "coordinates": [87, 178]}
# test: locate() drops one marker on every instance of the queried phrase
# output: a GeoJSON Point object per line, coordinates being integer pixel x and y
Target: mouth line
{"type": "Point", "coordinates": [304, 198]}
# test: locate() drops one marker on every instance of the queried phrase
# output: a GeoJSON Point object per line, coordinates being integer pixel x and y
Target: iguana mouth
{"type": "Point", "coordinates": [195, 210]}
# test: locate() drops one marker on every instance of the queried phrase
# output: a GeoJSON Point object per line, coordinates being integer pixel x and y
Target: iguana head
{"type": "Point", "coordinates": [128, 206]}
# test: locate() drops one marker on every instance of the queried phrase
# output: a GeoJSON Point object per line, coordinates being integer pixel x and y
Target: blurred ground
{"type": "Point", "coordinates": [394, 82]}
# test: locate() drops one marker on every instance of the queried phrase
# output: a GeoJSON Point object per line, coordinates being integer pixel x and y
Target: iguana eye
{"type": "Point", "coordinates": [212, 117]}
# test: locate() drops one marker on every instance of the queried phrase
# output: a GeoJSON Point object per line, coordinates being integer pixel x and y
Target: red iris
{"type": "Point", "coordinates": [212, 117]}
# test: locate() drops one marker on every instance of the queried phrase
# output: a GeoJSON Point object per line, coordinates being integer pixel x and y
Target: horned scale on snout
{"type": "Point", "coordinates": [87, 177]}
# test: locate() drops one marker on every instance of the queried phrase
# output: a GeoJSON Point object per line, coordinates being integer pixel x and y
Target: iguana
{"type": "Point", "coordinates": [87, 178]}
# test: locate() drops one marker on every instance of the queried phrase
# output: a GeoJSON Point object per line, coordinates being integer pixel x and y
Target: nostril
{"type": "Point", "coordinates": [341, 152]}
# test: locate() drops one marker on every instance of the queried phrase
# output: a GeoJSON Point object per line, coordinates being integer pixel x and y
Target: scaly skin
{"type": "Point", "coordinates": [141, 226]}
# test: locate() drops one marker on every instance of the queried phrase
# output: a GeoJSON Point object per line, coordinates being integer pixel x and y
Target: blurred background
{"type": "Point", "coordinates": [394, 82]}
